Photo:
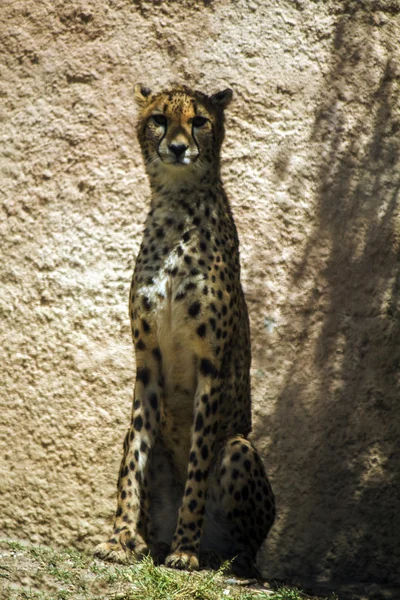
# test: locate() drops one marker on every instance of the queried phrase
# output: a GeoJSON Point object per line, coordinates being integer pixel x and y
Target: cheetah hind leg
{"type": "Point", "coordinates": [240, 508]}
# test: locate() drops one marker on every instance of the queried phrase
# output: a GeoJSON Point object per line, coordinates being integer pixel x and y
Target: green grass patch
{"type": "Point", "coordinates": [29, 572]}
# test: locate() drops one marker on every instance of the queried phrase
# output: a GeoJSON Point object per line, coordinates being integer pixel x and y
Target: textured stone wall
{"type": "Point", "coordinates": [311, 163]}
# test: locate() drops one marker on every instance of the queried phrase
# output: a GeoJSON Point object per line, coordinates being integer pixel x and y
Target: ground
{"type": "Point", "coordinates": [41, 573]}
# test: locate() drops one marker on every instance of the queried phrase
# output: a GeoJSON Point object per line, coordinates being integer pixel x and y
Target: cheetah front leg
{"type": "Point", "coordinates": [129, 538]}
{"type": "Point", "coordinates": [186, 540]}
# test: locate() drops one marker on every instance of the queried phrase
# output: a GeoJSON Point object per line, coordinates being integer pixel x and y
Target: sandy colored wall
{"type": "Point", "coordinates": [311, 163]}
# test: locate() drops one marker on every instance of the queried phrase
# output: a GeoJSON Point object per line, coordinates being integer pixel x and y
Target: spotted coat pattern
{"type": "Point", "coordinates": [192, 489]}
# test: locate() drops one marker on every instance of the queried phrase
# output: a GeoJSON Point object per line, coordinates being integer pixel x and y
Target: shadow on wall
{"type": "Point", "coordinates": [337, 423]}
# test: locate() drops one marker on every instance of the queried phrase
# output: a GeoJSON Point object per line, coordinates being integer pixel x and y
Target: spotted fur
{"type": "Point", "coordinates": [191, 489]}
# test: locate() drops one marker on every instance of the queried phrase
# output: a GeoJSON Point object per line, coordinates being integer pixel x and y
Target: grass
{"type": "Point", "coordinates": [30, 572]}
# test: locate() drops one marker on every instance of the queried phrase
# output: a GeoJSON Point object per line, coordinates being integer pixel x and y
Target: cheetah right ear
{"type": "Point", "coordinates": [142, 94]}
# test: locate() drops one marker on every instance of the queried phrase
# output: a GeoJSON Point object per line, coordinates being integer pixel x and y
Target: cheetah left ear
{"type": "Point", "coordinates": [142, 94]}
{"type": "Point", "coordinates": [222, 99]}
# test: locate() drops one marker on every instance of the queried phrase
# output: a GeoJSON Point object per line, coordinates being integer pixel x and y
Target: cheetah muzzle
{"type": "Point", "coordinates": [191, 485]}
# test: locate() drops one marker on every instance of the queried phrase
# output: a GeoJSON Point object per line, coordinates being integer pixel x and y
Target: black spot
{"type": "Point", "coordinates": [138, 423]}
{"type": "Point", "coordinates": [247, 465]}
{"type": "Point", "coordinates": [188, 259]}
{"type": "Point", "coordinates": [179, 251]}
{"type": "Point", "coordinates": [136, 333]}
{"type": "Point", "coordinates": [204, 452]}
{"type": "Point", "coordinates": [194, 272]}
{"type": "Point", "coordinates": [204, 398]}
{"type": "Point", "coordinates": [146, 326]}
{"type": "Point", "coordinates": [196, 221]}
{"type": "Point", "coordinates": [245, 449]}
{"type": "Point", "coordinates": [205, 290]}
{"type": "Point", "coordinates": [193, 458]}
{"type": "Point", "coordinates": [160, 232]}
{"type": "Point", "coordinates": [132, 465]}
{"type": "Point", "coordinates": [125, 471]}
{"type": "Point", "coordinates": [143, 375]}
{"type": "Point", "coordinates": [214, 407]}
{"type": "Point", "coordinates": [119, 511]}
{"type": "Point", "coordinates": [194, 309]}
{"type": "Point", "coordinates": [184, 540]}
{"type": "Point", "coordinates": [141, 345]}
{"type": "Point", "coordinates": [192, 505]}
{"type": "Point", "coordinates": [245, 492]}
{"type": "Point", "coordinates": [123, 494]}
{"type": "Point", "coordinates": [143, 447]}
{"type": "Point", "coordinates": [201, 330]}
{"type": "Point", "coordinates": [199, 423]}
{"type": "Point", "coordinates": [136, 455]}
{"type": "Point", "coordinates": [153, 401]}
{"type": "Point", "coordinates": [207, 368]}
{"type": "Point", "coordinates": [157, 353]}
{"type": "Point", "coordinates": [146, 303]}
{"type": "Point", "coordinates": [188, 491]}
{"type": "Point", "coordinates": [186, 236]}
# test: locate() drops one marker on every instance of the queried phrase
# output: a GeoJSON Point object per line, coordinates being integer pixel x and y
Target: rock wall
{"type": "Point", "coordinates": [312, 166]}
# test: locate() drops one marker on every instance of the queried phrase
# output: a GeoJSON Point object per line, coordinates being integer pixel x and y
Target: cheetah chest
{"type": "Point", "coordinates": [175, 336]}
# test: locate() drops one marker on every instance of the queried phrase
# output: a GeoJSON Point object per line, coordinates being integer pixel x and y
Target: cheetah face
{"type": "Point", "coordinates": [180, 132]}
{"type": "Point", "coordinates": [178, 137]}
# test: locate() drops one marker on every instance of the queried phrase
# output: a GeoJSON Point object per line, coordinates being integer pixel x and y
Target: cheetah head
{"type": "Point", "coordinates": [180, 132]}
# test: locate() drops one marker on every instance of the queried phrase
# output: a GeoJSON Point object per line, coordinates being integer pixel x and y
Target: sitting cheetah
{"type": "Point", "coordinates": [191, 487]}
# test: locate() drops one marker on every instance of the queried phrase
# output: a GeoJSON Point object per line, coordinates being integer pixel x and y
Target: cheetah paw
{"type": "Point", "coordinates": [159, 551]}
{"type": "Point", "coordinates": [182, 560]}
{"type": "Point", "coordinates": [125, 553]}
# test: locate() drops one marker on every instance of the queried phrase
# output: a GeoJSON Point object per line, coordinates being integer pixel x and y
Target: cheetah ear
{"type": "Point", "coordinates": [142, 94]}
{"type": "Point", "coordinates": [222, 99]}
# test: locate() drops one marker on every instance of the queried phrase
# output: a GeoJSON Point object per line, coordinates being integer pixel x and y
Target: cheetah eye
{"type": "Point", "coordinates": [160, 119]}
{"type": "Point", "coordinates": [199, 121]}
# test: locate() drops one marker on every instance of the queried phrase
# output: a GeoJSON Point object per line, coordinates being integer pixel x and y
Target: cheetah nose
{"type": "Point", "coordinates": [178, 149]}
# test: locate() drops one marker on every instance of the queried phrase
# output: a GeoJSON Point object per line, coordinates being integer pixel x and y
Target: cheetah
{"type": "Point", "coordinates": [192, 489]}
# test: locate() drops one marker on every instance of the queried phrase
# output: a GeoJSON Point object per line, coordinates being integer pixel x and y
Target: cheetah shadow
{"type": "Point", "coordinates": [335, 426]}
